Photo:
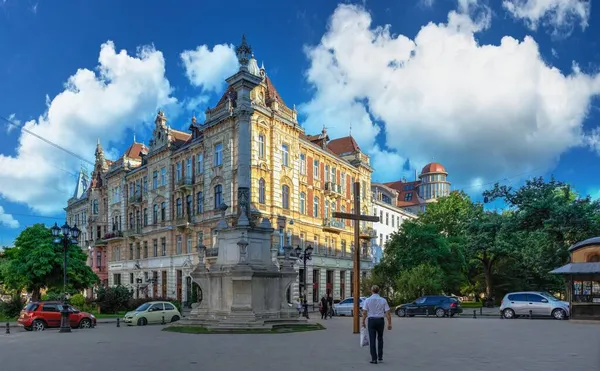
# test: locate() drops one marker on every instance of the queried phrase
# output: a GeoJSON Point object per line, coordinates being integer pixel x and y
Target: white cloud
{"type": "Point", "coordinates": [123, 92]}
{"type": "Point", "coordinates": [7, 220]}
{"type": "Point", "coordinates": [484, 111]}
{"type": "Point", "coordinates": [12, 118]}
{"type": "Point", "coordinates": [208, 69]}
{"type": "Point", "coordinates": [560, 16]}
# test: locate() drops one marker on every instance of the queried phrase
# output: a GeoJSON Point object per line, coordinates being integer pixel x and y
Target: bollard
{"type": "Point", "coordinates": [530, 314]}
{"type": "Point", "coordinates": [501, 315]}
{"type": "Point", "coordinates": [118, 322]}
{"type": "Point", "coordinates": [481, 311]}
{"type": "Point", "coordinates": [163, 320]}
{"type": "Point", "coordinates": [7, 328]}
{"type": "Point", "coordinates": [474, 313]}
{"type": "Point", "coordinates": [427, 312]}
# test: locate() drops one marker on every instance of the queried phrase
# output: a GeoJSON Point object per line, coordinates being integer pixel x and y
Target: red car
{"type": "Point", "coordinates": [39, 315]}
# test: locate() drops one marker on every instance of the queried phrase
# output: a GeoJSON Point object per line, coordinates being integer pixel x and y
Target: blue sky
{"type": "Point", "coordinates": [495, 91]}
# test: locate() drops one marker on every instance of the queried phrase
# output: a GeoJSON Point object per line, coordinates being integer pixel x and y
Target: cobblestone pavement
{"type": "Point", "coordinates": [423, 344]}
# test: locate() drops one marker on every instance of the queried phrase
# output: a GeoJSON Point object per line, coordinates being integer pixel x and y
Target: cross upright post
{"type": "Point", "coordinates": [357, 217]}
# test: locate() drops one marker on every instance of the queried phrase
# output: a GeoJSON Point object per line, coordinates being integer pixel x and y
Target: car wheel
{"type": "Point", "coordinates": [401, 312]}
{"type": "Point", "coordinates": [452, 314]}
{"type": "Point", "coordinates": [28, 328]}
{"type": "Point", "coordinates": [85, 323]}
{"type": "Point", "coordinates": [38, 325]}
{"type": "Point", "coordinates": [175, 319]}
{"type": "Point", "coordinates": [559, 314]}
{"type": "Point", "coordinates": [142, 322]}
{"type": "Point", "coordinates": [508, 313]}
{"type": "Point", "coordinates": [440, 312]}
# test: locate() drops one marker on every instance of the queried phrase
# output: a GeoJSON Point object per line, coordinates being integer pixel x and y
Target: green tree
{"type": "Point", "coordinates": [545, 219]}
{"type": "Point", "coordinates": [421, 280]}
{"type": "Point", "coordinates": [36, 263]}
{"type": "Point", "coordinates": [450, 214]}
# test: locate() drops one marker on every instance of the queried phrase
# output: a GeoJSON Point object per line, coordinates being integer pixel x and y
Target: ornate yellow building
{"type": "Point", "coordinates": [165, 199]}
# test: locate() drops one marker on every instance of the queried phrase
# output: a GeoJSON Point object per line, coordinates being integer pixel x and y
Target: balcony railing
{"type": "Point", "coordinates": [182, 220]}
{"type": "Point", "coordinates": [368, 232]}
{"type": "Point", "coordinates": [135, 199]}
{"type": "Point", "coordinates": [212, 252]}
{"type": "Point", "coordinates": [133, 231]}
{"type": "Point", "coordinates": [331, 187]}
{"type": "Point", "coordinates": [333, 224]}
{"type": "Point", "coordinates": [113, 235]}
{"type": "Point", "coordinates": [185, 182]}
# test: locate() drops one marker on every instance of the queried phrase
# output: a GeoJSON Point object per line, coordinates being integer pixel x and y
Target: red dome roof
{"type": "Point", "coordinates": [433, 167]}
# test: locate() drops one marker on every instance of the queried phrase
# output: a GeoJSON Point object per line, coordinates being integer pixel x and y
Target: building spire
{"type": "Point", "coordinates": [350, 128]}
{"type": "Point", "coordinates": [244, 53]}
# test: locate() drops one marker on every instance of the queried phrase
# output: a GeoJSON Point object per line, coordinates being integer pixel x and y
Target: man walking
{"type": "Point", "coordinates": [374, 309]}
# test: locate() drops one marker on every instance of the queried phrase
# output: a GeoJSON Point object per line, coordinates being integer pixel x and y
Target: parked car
{"type": "Point", "coordinates": [346, 307]}
{"type": "Point", "coordinates": [40, 315]}
{"type": "Point", "coordinates": [438, 305]}
{"type": "Point", "coordinates": [152, 312]}
{"type": "Point", "coordinates": [538, 303]}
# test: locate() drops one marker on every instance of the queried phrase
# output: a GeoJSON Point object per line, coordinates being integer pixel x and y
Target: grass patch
{"type": "Point", "coordinates": [471, 304]}
{"type": "Point", "coordinates": [282, 329]}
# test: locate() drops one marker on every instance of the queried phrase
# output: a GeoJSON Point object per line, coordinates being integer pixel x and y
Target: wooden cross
{"type": "Point", "coordinates": [357, 217]}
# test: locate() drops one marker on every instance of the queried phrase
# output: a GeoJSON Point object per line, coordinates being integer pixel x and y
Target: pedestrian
{"type": "Point", "coordinates": [299, 306]}
{"type": "Point", "coordinates": [323, 307]}
{"type": "Point", "coordinates": [375, 308]}
{"type": "Point", "coordinates": [329, 305]}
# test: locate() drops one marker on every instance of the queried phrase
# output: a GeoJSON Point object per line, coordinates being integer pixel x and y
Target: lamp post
{"type": "Point", "coordinates": [304, 255]}
{"type": "Point", "coordinates": [69, 236]}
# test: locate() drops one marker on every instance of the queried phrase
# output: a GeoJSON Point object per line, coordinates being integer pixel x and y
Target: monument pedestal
{"type": "Point", "coordinates": [243, 288]}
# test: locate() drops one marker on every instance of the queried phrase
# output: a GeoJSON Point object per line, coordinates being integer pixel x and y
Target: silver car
{"type": "Point", "coordinates": [534, 303]}
{"type": "Point", "coordinates": [346, 307]}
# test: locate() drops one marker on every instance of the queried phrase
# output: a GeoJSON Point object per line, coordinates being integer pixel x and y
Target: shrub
{"type": "Point", "coordinates": [113, 299]}
{"type": "Point", "coordinates": [77, 300]}
{"type": "Point", "coordinates": [52, 296]}
{"type": "Point", "coordinates": [12, 308]}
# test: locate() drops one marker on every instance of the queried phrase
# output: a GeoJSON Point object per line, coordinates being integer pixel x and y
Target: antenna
{"type": "Point", "coordinates": [350, 128]}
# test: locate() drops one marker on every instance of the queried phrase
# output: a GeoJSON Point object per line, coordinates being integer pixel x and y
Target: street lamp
{"type": "Point", "coordinates": [304, 255]}
{"type": "Point", "coordinates": [69, 236]}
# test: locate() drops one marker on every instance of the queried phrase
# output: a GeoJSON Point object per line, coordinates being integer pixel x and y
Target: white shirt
{"type": "Point", "coordinates": [376, 306]}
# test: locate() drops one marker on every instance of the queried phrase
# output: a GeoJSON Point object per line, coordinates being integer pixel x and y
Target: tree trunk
{"type": "Point", "coordinates": [35, 294]}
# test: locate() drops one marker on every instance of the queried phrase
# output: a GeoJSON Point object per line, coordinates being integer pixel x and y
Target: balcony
{"type": "Point", "coordinates": [100, 242]}
{"type": "Point", "coordinates": [212, 252]}
{"type": "Point", "coordinates": [135, 200]}
{"type": "Point", "coordinates": [113, 236]}
{"type": "Point", "coordinates": [183, 221]}
{"type": "Point", "coordinates": [368, 233]}
{"type": "Point", "coordinates": [133, 232]}
{"type": "Point", "coordinates": [333, 189]}
{"type": "Point", "coordinates": [334, 225]}
{"type": "Point", "coordinates": [185, 183]}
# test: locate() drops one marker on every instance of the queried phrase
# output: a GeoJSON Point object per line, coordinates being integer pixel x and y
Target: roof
{"type": "Point", "coordinates": [134, 151]}
{"type": "Point", "coordinates": [401, 187]}
{"type": "Point", "coordinates": [272, 93]}
{"type": "Point", "coordinates": [433, 167]}
{"type": "Point", "coordinates": [343, 145]}
{"type": "Point", "coordinates": [578, 268]}
{"type": "Point", "coordinates": [82, 185]}
{"type": "Point", "coordinates": [584, 243]}
{"type": "Point", "coordinates": [180, 136]}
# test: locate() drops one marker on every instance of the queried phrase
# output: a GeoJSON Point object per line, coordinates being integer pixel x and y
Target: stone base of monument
{"type": "Point", "coordinates": [245, 287]}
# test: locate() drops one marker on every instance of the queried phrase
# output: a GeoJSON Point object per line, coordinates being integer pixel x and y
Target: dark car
{"type": "Point", "coordinates": [438, 305]}
{"type": "Point", "coordinates": [39, 315]}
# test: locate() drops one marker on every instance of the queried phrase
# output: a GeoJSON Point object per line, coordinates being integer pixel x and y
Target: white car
{"type": "Point", "coordinates": [346, 307]}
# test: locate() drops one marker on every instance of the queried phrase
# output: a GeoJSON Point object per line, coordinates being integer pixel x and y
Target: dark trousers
{"type": "Point", "coordinates": [375, 327]}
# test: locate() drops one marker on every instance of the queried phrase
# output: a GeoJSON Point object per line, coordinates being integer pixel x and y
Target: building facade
{"type": "Point", "coordinates": [431, 184]}
{"type": "Point", "coordinates": [390, 215]}
{"type": "Point", "coordinates": [160, 202]}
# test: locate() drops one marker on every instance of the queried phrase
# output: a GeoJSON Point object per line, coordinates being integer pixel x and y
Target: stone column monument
{"type": "Point", "coordinates": [243, 288]}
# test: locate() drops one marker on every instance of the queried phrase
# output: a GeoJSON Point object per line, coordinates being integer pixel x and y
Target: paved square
{"type": "Point", "coordinates": [424, 344]}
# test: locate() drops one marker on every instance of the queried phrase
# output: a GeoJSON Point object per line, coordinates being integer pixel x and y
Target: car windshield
{"type": "Point", "coordinates": [142, 307]}
{"type": "Point", "coordinates": [549, 296]}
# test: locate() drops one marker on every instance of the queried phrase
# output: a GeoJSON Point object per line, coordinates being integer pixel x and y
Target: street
{"type": "Point", "coordinates": [424, 344]}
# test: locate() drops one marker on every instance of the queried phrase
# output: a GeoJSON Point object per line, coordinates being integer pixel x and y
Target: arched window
{"type": "Point", "coordinates": [316, 207]}
{"type": "Point", "coordinates": [218, 195]}
{"type": "Point", "coordinates": [261, 191]}
{"type": "Point", "coordinates": [285, 197]}
{"type": "Point", "coordinates": [155, 214]}
{"type": "Point", "coordinates": [179, 208]}
{"type": "Point", "coordinates": [302, 203]}
{"type": "Point", "coordinates": [261, 146]}
{"type": "Point", "coordinates": [199, 203]}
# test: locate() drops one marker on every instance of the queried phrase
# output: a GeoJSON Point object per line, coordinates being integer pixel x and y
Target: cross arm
{"type": "Point", "coordinates": [367, 218]}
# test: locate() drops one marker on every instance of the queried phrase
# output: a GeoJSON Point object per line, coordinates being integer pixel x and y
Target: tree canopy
{"type": "Point", "coordinates": [490, 251]}
{"type": "Point", "coordinates": [36, 263]}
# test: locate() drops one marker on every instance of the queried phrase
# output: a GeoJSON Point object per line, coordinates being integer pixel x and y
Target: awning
{"type": "Point", "coordinates": [578, 268]}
